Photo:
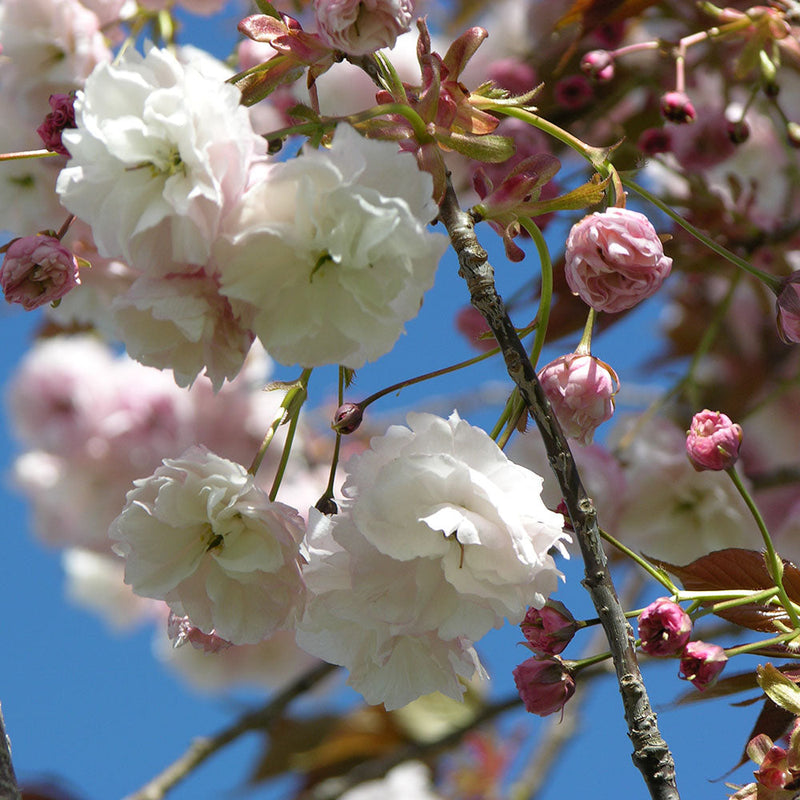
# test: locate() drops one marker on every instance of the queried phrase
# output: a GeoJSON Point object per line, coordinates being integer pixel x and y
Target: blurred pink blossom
{"type": "Point", "coordinates": [359, 27]}
{"type": "Point", "coordinates": [788, 306]}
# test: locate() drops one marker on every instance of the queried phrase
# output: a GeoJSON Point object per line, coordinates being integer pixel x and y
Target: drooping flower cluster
{"type": "Point", "coordinates": [440, 539]}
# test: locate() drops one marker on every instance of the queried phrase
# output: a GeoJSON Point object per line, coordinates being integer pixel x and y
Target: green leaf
{"type": "Point", "coordinates": [781, 690]}
{"type": "Point", "coordinates": [486, 147]}
{"type": "Point", "coordinates": [267, 8]}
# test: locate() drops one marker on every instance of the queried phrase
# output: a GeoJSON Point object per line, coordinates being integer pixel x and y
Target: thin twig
{"type": "Point", "coordinates": [650, 752]}
{"type": "Point", "coordinates": [203, 748]}
{"type": "Point", "coordinates": [378, 767]}
{"type": "Point", "coordinates": [9, 789]}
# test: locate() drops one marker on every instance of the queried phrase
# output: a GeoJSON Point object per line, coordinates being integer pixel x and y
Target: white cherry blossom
{"type": "Point", "coordinates": [161, 150]}
{"type": "Point", "coordinates": [200, 535]}
{"type": "Point", "coordinates": [439, 539]}
{"type": "Point", "coordinates": [331, 252]}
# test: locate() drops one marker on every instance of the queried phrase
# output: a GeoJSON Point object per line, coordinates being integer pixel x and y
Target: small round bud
{"type": "Point", "coordinates": [550, 629]}
{"type": "Point", "coordinates": [544, 684]}
{"type": "Point", "coordinates": [664, 628]}
{"type": "Point", "coordinates": [793, 133]}
{"type": "Point", "coordinates": [701, 663]}
{"type": "Point", "coordinates": [598, 65]}
{"type": "Point", "coordinates": [738, 131]}
{"type": "Point", "coordinates": [677, 107]}
{"type": "Point", "coordinates": [713, 441]}
{"type": "Point", "coordinates": [347, 418]}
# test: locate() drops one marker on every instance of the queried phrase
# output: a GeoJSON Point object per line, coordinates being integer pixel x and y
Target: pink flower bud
{"type": "Point", "coordinates": [788, 308]}
{"type": "Point", "coordinates": [581, 390]}
{"type": "Point", "coordinates": [61, 117]}
{"type": "Point", "coordinates": [544, 684]}
{"type": "Point", "coordinates": [773, 772]}
{"type": "Point", "coordinates": [677, 107]}
{"type": "Point", "coordinates": [738, 131]}
{"type": "Point", "coordinates": [713, 441]}
{"type": "Point", "coordinates": [180, 630]}
{"type": "Point", "coordinates": [550, 629]}
{"type": "Point", "coordinates": [598, 65]}
{"type": "Point", "coordinates": [701, 663]}
{"type": "Point", "coordinates": [614, 259]}
{"type": "Point", "coordinates": [359, 27]}
{"type": "Point", "coordinates": [347, 418]}
{"type": "Point", "coordinates": [664, 628]}
{"type": "Point", "coordinates": [37, 270]}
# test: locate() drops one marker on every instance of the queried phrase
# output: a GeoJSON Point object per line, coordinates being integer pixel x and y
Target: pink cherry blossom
{"type": "Point", "coordinates": [548, 630]}
{"type": "Point", "coordinates": [701, 663]}
{"type": "Point", "coordinates": [581, 389]}
{"type": "Point", "coordinates": [359, 27]}
{"type": "Point", "coordinates": [37, 270]}
{"type": "Point", "coordinates": [544, 684]}
{"type": "Point", "coordinates": [664, 628]}
{"type": "Point", "coordinates": [614, 259]}
{"type": "Point", "coordinates": [713, 441]}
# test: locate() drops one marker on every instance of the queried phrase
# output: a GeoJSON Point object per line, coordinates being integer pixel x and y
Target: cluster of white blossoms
{"type": "Point", "coordinates": [323, 258]}
{"type": "Point", "coordinates": [207, 245]}
{"type": "Point", "coordinates": [440, 539]}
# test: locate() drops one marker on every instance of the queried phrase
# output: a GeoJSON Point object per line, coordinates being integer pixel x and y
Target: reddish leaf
{"type": "Point", "coordinates": [736, 568]}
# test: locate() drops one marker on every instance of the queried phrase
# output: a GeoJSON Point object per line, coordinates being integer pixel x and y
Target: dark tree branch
{"type": "Point", "coordinates": [9, 790]}
{"type": "Point", "coordinates": [650, 752]}
{"type": "Point", "coordinates": [203, 748]}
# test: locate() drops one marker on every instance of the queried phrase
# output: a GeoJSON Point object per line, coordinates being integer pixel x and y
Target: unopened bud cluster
{"type": "Point", "coordinates": [665, 629]}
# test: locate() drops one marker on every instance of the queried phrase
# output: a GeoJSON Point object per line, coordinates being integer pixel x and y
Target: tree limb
{"type": "Point", "coordinates": [651, 754]}
{"type": "Point", "coordinates": [9, 789]}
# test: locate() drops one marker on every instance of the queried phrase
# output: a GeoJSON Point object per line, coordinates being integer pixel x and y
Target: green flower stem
{"type": "Point", "coordinates": [287, 449]}
{"type": "Point", "coordinates": [546, 291]}
{"type": "Point", "coordinates": [743, 597]}
{"type": "Point", "coordinates": [328, 493]}
{"type": "Point", "coordinates": [709, 337]}
{"type": "Point", "coordinates": [596, 156]}
{"type": "Point", "coordinates": [577, 666]}
{"type": "Point", "coordinates": [515, 408]}
{"type": "Point", "coordinates": [396, 387]}
{"type": "Point", "coordinates": [750, 647]}
{"type": "Point", "coordinates": [329, 123]}
{"type": "Point", "coordinates": [654, 572]}
{"type": "Point", "coordinates": [773, 561]}
{"type": "Point", "coordinates": [26, 154]}
{"type": "Point", "coordinates": [290, 407]}
{"type": "Point", "coordinates": [769, 280]}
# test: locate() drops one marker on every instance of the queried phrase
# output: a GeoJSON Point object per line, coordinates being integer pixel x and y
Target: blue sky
{"type": "Point", "coordinates": [99, 712]}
